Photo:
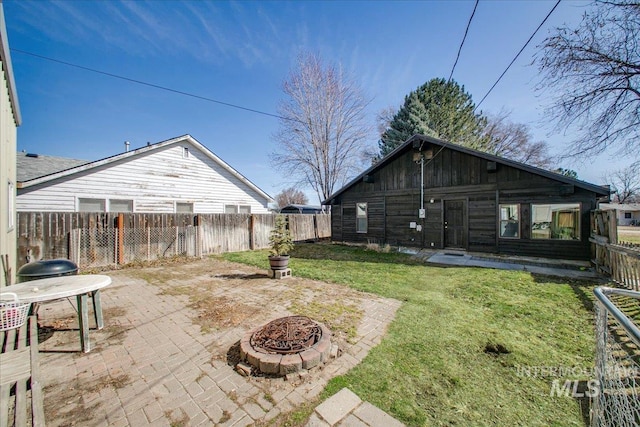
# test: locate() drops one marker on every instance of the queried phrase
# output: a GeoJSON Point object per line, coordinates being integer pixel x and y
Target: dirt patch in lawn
{"type": "Point", "coordinates": [224, 296]}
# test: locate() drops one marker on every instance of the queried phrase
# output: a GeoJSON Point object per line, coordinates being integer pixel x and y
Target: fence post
{"type": "Point", "coordinates": [198, 241]}
{"type": "Point", "coordinates": [115, 247]}
{"type": "Point", "coordinates": [315, 227]}
{"type": "Point", "coordinates": [613, 227]}
{"type": "Point", "coordinates": [148, 243]}
{"type": "Point", "coordinates": [74, 245]}
{"type": "Point", "coordinates": [175, 245]}
{"type": "Point", "coordinates": [120, 240]}
{"type": "Point", "coordinates": [252, 236]}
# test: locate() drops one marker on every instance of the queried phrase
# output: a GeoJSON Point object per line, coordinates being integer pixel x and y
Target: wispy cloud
{"type": "Point", "coordinates": [205, 31]}
{"type": "Point", "coordinates": [205, 18]}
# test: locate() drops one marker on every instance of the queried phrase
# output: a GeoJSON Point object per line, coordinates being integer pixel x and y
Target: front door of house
{"type": "Point", "coordinates": [455, 229]}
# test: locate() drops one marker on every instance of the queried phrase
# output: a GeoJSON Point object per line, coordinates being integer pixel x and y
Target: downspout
{"type": "Point", "coordinates": [421, 180]}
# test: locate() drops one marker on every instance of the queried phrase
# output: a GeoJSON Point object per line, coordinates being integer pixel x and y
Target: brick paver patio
{"type": "Point", "coordinates": [151, 365]}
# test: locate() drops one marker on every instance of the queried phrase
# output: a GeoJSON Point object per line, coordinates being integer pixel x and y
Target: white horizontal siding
{"type": "Point", "coordinates": [154, 181]}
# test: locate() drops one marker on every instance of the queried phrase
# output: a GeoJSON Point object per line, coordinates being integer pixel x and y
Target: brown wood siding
{"type": "Point", "coordinates": [336, 223]}
{"type": "Point", "coordinates": [375, 220]}
{"type": "Point", "coordinates": [433, 224]}
{"type": "Point", "coordinates": [394, 201]}
{"type": "Point", "coordinates": [482, 222]}
{"type": "Point", "coordinates": [401, 211]}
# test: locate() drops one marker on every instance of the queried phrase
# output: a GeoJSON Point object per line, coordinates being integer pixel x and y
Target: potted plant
{"type": "Point", "coordinates": [280, 244]}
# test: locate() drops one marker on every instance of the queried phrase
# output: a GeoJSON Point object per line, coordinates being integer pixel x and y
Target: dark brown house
{"type": "Point", "coordinates": [429, 193]}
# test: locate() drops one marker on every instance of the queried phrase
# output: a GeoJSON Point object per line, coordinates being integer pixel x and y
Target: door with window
{"type": "Point", "coordinates": [455, 224]}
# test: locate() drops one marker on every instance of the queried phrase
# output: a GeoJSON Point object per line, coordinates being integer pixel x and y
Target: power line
{"type": "Point", "coordinates": [501, 75]}
{"type": "Point", "coordinates": [464, 38]}
{"type": "Point", "coordinates": [518, 54]}
{"type": "Point", "coordinates": [140, 82]}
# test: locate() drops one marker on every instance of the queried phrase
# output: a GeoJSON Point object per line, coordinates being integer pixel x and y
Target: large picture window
{"type": "Point", "coordinates": [510, 221]}
{"type": "Point", "coordinates": [555, 221]}
{"type": "Point", "coordinates": [361, 217]}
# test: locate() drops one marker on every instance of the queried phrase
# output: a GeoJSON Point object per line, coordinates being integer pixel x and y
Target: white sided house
{"type": "Point", "coordinates": [179, 175]}
{"type": "Point", "coordinates": [627, 214]}
{"type": "Point", "coordinates": [9, 121]}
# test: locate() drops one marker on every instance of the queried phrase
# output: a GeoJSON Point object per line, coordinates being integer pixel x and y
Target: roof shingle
{"type": "Point", "coordinates": [31, 166]}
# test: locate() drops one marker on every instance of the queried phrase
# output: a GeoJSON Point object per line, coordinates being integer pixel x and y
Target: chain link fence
{"type": "Point", "coordinates": [617, 402]}
{"type": "Point", "coordinates": [99, 248]}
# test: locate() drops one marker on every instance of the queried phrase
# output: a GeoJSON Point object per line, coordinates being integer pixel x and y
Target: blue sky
{"type": "Point", "coordinates": [240, 52]}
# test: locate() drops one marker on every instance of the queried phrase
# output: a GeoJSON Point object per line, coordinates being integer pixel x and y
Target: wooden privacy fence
{"type": "Point", "coordinates": [619, 261]}
{"type": "Point", "coordinates": [99, 239]}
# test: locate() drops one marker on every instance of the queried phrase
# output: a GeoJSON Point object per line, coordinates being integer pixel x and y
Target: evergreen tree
{"type": "Point", "coordinates": [438, 108]}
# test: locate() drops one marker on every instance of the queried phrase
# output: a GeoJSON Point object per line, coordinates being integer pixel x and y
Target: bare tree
{"type": "Point", "coordinates": [514, 141]}
{"type": "Point", "coordinates": [625, 184]}
{"type": "Point", "coordinates": [384, 118]}
{"type": "Point", "coordinates": [323, 131]}
{"type": "Point", "coordinates": [594, 73]}
{"type": "Point", "coordinates": [291, 196]}
{"type": "Point", "coordinates": [371, 155]}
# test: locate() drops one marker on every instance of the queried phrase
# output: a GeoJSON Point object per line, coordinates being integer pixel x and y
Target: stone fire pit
{"type": "Point", "coordinates": [286, 345]}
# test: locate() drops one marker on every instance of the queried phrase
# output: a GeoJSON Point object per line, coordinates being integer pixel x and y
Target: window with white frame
{"type": "Point", "coordinates": [91, 205]}
{"type": "Point", "coordinates": [510, 221]}
{"type": "Point", "coordinates": [244, 209]}
{"type": "Point", "coordinates": [116, 205]}
{"type": "Point", "coordinates": [11, 209]}
{"type": "Point", "coordinates": [361, 217]}
{"type": "Point", "coordinates": [559, 221]}
{"type": "Point", "coordinates": [185, 152]}
{"type": "Point", "coordinates": [230, 209]}
{"type": "Point", "coordinates": [182, 207]}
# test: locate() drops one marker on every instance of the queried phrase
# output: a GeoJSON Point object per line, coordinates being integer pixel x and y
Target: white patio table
{"type": "Point", "coordinates": [80, 286]}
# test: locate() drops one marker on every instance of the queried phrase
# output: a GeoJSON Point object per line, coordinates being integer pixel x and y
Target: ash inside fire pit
{"type": "Point", "coordinates": [287, 335]}
{"type": "Point", "coordinates": [286, 345]}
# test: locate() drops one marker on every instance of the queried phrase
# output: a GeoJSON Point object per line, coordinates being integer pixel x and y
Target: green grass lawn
{"type": "Point", "coordinates": [629, 238]}
{"type": "Point", "coordinates": [432, 367]}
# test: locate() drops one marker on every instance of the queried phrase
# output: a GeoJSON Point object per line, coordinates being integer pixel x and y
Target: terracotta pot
{"type": "Point", "coordinates": [279, 262]}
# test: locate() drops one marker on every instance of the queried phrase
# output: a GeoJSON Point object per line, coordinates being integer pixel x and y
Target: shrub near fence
{"type": "Point", "coordinates": [102, 239]}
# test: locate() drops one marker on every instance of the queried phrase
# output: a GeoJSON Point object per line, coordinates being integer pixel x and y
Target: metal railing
{"type": "Point", "coordinates": [617, 360]}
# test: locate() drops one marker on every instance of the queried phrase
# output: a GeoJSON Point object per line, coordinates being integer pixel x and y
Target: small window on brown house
{"type": "Point", "coordinates": [361, 217]}
{"type": "Point", "coordinates": [509, 221]}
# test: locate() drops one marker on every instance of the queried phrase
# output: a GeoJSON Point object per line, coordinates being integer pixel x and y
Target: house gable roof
{"type": "Point", "coordinates": [408, 144]}
{"type": "Point", "coordinates": [86, 166]}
